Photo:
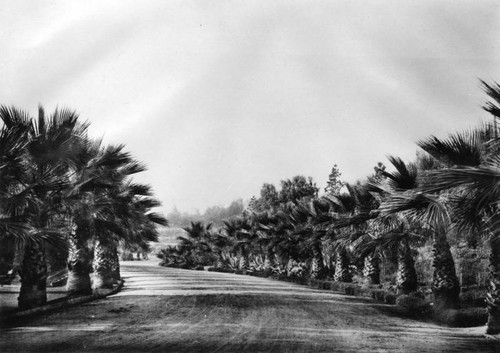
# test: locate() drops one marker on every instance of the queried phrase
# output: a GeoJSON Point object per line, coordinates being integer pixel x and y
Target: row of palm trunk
{"type": "Point", "coordinates": [33, 272]}
{"type": "Point", "coordinates": [248, 239]}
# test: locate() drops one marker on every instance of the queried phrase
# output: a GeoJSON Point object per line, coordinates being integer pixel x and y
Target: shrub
{"type": "Point", "coordinates": [127, 256]}
{"type": "Point", "coordinates": [325, 285]}
{"type": "Point", "coordinates": [350, 290]}
{"type": "Point", "coordinates": [378, 294]}
{"type": "Point", "coordinates": [414, 305]}
{"type": "Point", "coordinates": [468, 317]}
{"type": "Point", "coordinates": [390, 298]}
{"type": "Point", "coordinates": [473, 298]}
{"type": "Point", "coordinates": [222, 270]}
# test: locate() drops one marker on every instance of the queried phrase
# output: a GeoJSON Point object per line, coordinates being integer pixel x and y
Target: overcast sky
{"type": "Point", "coordinates": [218, 97]}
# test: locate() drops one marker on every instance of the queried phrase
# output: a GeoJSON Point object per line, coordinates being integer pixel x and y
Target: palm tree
{"type": "Point", "coordinates": [220, 245]}
{"type": "Point", "coordinates": [132, 221]}
{"type": "Point", "coordinates": [403, 194]}
{"type": "Point", "coordinates": [239, 231]}
{"type": "Point", "coordinates": [50, 148]}
{"type": "Point", "coordinates": [393, 231]}
{"type": "Point", "coordinates": [265, 225]}
{"type": "Point", "coordinates": [311, 221]}
{"type": "Point", "coordinates": [394, 234]}
{"type": "Point", "coordinates": [340, 230]}
{"type": "Point", "coordinates": [352, 212]}
{"type": "Point", "coordinates": [195, 246]}
{"type": "Point", "coordinates": [92, 207]}
{"type": "Point", "coordinates": [473, 184]}
{"type": "Point", "coordinates": [13, 226]}
{"type": "Point", "coordinates": [170, 257]}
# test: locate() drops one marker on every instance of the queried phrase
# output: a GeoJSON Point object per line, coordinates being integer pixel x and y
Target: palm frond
{"type": "Point", "coordinates": [464, 148]}
{"type": "Point", "coordinates": [404, 178]}
{"type": "Point", "coordinates": [493, 91]}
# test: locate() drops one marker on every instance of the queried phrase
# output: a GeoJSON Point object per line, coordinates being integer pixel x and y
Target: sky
{"type": "Point", "coordinates": [218, 97]}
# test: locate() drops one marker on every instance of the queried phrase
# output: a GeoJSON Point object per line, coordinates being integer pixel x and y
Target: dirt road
{"type": "Point", "coordinates": [169, 310]}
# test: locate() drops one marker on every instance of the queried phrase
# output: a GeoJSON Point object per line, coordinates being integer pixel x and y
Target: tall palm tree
{"type": "Point", "coordinates": [393, 231]}
{"type": "Point", "coordinates": [13, 226]}
{"type": "Point", "coordinates": [351, 215]}
{"type": "Point", "coordinates": [311, 221]}
{"type": "Point", "coordinates": [394, 234]}
{"type": "Point", "coordinates": [52, 145]}
{"type": "Point", "coordinates": [403, 194]}
{"type": "Point", "coordinates": [91, 200]}
{"type": "Point", "coordinates": [132, 221]}
{"type": "Point", "coordinates": [473, 186]}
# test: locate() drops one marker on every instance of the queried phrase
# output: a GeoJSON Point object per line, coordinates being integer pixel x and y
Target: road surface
{"type": "Point", "coordinates": [171, 310]}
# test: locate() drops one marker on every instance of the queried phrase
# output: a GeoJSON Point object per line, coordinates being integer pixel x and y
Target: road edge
{"type": "Point", "coordinates": [62, 303]}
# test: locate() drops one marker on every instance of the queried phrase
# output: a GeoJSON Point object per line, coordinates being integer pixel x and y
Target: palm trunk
{"type": "Point", "coordinates": [269, 262]}
{"type": "Point", "coordinates": [445, 285]}
{"type": "Point", "coordinates": [219, 258]}
{"type": "Point", "coordinates": [406, 281]}
{"type": "Point", "coordinates": [243, 261]}
{"type": "Point", "coordinates": [493, 296]}
{"type": "Point", "coordinates": [33, 275]}
{"type": "Point", "coordinates": [289, 266]}
{"type": "Point", "coordinates": [371, 269]}
{"type": "Point", "coordinates": [79, 267]}
{"type": "Point", "coordinates": [317, 265]}
{"type": "Point", "coordinates": [7, 254]}
{"type": "Point", "coordinates": [115, 266]}
{"type": "Point", "coordinates": [105, 253]}
{"type": "Point", "coordinates": [342, 273]}
{"type": "Point", "coordinates": [218, 262]}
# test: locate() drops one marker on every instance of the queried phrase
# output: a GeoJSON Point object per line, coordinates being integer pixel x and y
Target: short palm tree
{"type": "Point", "coordinates": [220, 247]}
{"type": "Point", "coordinates": [266, 226]}
{"type": "Point", "coordinates": [195, 245]}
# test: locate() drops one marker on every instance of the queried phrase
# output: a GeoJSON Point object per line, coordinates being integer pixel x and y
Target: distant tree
{"type": "Point", "coordinates": [252, 205]}
{"type": "Point", "coordinates": [269, 199]}
{"type": "Point", "coordinates": [216, 215]}
{"type": "Point", "coordinates": [182, 219]}
{"type": "Point", "coordinates": [268, 196]}
{"type": "Point", "coordinates": [213, 214]}
{"type": "Point", "coordinates": [174, 216]}
{"type": "Point", "coordinates": [292, 190]}
{"type": "Point", "coordinates": [297, 188]}
{"type": "Point", "coordinates": [235, 208]}
{"type": "Point", "coordinates": [334, 184]}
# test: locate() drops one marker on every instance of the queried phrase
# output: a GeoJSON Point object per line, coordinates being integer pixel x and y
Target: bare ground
{"type": "Point", "coordinates": [170, 310]}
